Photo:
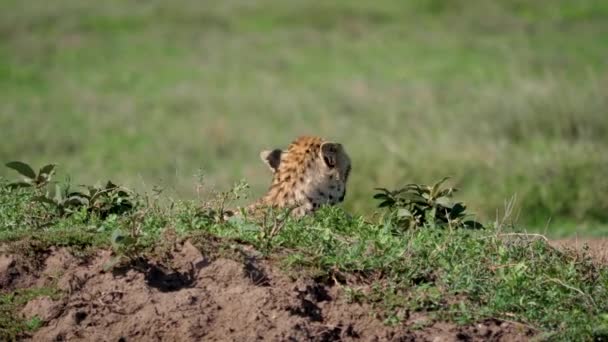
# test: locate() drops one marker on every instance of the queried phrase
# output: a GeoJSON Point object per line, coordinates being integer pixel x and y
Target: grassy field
{"type": "Point", "coordinates": [507, 97]}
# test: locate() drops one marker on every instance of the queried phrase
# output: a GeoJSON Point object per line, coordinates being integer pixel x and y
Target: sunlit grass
{"type": "Point", "coordinates": [507, 97]}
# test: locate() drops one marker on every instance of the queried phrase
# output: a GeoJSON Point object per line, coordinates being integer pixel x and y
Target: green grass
{"type": "Point", "coordinates": [458, 275]}
{"type": "Point", "coordinates": [11, 323]}
{"type": "Point", "coordinates": [507, 96]}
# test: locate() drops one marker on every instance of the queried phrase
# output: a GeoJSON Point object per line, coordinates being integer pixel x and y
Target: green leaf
{"type": "Point", "coordinates": [435, 188]}
{"type": "Point", "coordinates": [16, 185]}
{"type": "Point", "coordinates": [404, 213]}
{"type": "Point", "coordinates": [385, 190]}
{"type": "Point", "coordinates": [110, 186]}
{"type": "Point", "coordinates": [22, 168]}
{"type": "Point", "coordinates": [411, 186]}
{"type": "Point", "coordinates": [414, 198]}
{"type": "Point", "coordinates": [386, 203]}
{"type": "Point", "coordinates": [78, 194]}
{"type": "Point", "coordinates": [123, 193]}
{"type": "Point", "coordinates": [447, 192]}
{"type": "Point", "coordinates": [380, 196]}
{"type": "Point", "coordinates": [47, 169]}
{"type": "Point", "coordinates": [457, 210]}
{"type": "Point", "coordinates": [445, 202]}
{"type": "Point", "coordinates": [76, 200]}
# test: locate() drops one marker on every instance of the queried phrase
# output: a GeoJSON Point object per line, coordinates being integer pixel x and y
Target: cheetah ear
{"type": "Point", "coordinates": [272, 159]}
{"type": "Point", "coordinates": [329, 152]}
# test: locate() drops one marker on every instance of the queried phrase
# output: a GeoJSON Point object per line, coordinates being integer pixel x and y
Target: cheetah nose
{"type": "Point", "coordinates": [341, 199]}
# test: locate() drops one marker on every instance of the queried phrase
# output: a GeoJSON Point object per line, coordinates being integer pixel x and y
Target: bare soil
{"type": "Point", "coordinates": [598, 248]}
{"type": "Point", "coordinates": [201, 298]}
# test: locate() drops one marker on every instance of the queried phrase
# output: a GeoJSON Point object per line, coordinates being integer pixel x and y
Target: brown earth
{"type": "Point", "coordinates": [598, 248]}
{"type": "Point", "coordinates": [210, 299]}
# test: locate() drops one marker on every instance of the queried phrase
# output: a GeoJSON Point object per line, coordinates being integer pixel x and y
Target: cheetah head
{"type": "Point", "coordinates": [323, 169]}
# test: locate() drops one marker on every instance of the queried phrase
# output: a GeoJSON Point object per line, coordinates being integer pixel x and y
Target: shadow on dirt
{"type": "Point", "coordinates": [308, 298]}
{"type": "Point", "coordinates": [158, 276]}
{"type": "Point", "coordinates": [256, 274]}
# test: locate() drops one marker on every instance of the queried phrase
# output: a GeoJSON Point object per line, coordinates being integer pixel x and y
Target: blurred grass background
{"type": "Point", "coordinates": [508, 97]}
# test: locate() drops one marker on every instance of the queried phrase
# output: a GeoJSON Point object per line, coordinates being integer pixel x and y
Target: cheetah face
{"type": "Point", "coordinates": [336, 167]}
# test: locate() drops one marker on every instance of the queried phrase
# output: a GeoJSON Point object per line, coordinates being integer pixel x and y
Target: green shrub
{"type": "Point", "coordinates": [425, 205]}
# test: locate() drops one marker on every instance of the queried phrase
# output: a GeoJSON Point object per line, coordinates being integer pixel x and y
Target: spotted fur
{"type": "Point", "coordinates": [312, 172]}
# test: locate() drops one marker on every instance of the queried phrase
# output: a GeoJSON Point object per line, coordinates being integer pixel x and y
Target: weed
{"type": "Point", "coordinates": [33, 324]}
{"type": "Point", "coordinates": [418, 205]}
{"type": "Point", "coordinates": [31, 179]}
{"type": "Point", "coordinates": [98, 201]}
{"type": "Point", "coordinates": [12, 325]}
{"type": "Point", "coordinates": [18, 210]}
{"type": "Point", "coordinates": [216, 209]}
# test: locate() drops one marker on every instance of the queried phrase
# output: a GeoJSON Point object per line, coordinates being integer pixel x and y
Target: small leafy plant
{"type": "Point", "coordinates": [100, 201]}
{"type": "Point", "coordinates": [215, 209]}
{"type": "Point", "coordinates": [417, 205]}
{"type": "Point", "coordinates": [97, 200]}
{"type": "Point", "coordinates": [30, 177]}
{"type": "Point", "coordinates": [125, 248]}
{"type": "Point", "coordinates": [106, 200]}
{"type": "Point", "coordinates": [273, 221]}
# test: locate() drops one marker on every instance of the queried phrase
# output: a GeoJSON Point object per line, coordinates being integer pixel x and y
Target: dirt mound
{"type": "Point", "coordinates": [199, 298]}
{"type": "Point", "coordinates": [597, 248]}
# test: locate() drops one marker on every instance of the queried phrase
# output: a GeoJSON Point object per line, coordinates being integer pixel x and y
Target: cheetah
{"type": "Point", "coordinates": [312, 172]}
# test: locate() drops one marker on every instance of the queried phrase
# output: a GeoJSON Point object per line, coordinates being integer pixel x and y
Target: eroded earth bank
{"type": "Point", "coordinates": [190, 295]}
